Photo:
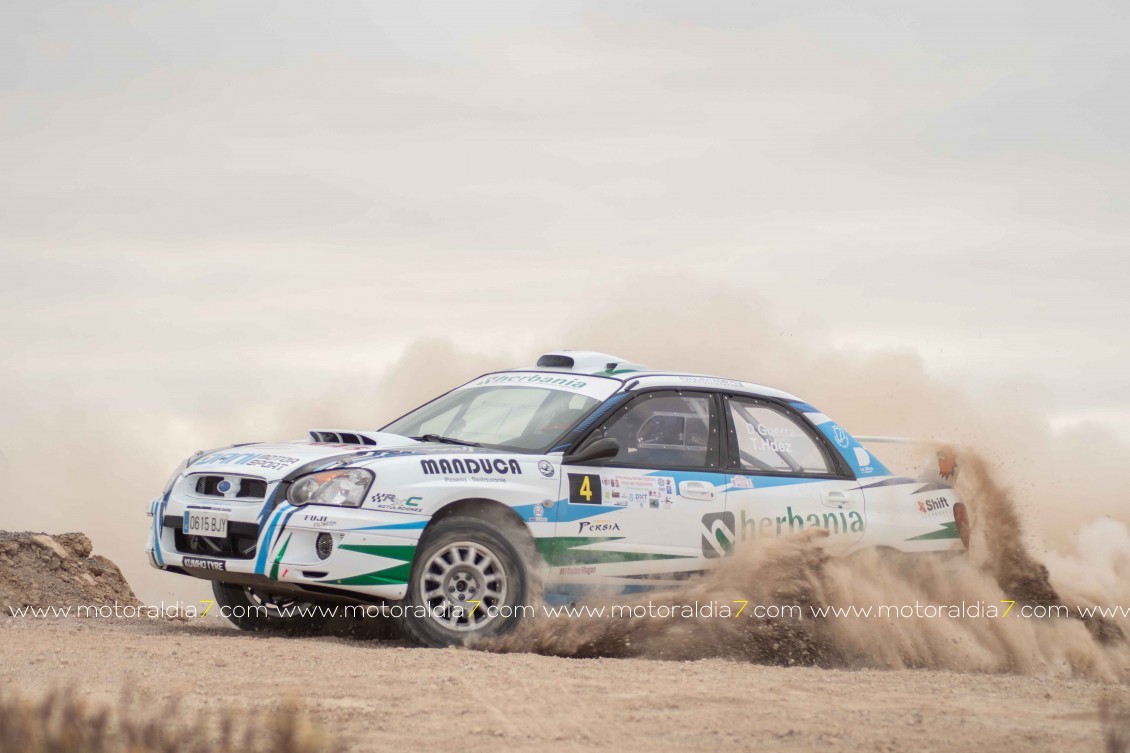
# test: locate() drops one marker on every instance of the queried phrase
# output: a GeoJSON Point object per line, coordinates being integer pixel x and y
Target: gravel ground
{"type": "Point", "coordinates": [372, 696]}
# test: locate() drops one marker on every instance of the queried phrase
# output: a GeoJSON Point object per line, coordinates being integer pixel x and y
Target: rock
{"type": "Point", "coordinates": [41, 570]}
{"type": "Point", "coordinates": [49, 544]}
{"type": "Point", "coordinates": [76, 543]}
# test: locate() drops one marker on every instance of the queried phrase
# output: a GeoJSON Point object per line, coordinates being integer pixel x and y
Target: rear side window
{"type": "Point", "coordinates": [771, 441]}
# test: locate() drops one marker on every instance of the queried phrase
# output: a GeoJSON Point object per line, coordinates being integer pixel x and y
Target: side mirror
{"type": "Point", "coordinates": [601, 449]}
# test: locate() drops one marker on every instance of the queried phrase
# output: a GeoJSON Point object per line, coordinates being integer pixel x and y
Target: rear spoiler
{"type": "Point", "coordinates": [898, 440]}
{"type": "Point", "coordinates": [945, 455]}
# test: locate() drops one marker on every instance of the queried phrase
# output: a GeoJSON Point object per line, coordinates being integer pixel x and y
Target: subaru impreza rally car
{"type": "Point", "coordinates": [583, 472]}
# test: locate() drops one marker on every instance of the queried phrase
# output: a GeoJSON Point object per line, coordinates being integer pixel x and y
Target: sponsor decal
{"type": "Point", "coordinates": [271, 462]}
{"type": "Point", "coordinates": [223, 487]}
{"type": "Point", "coordinates": [654, 492]}
{"type": "Point", "coordinates": [863, 459]}
{"type": "Point", "coordinates": [204, 563]}
{"type": "Point", "coordinates": [741, 482]}
{"type": "Point", "coordinates": [545, 468]}
{"type": "Point", "coordinates": [597, 526]}
{"type": "Point", "coordinates": [319, 521]}
{"type": "Point", "coordinates": [576, 570]}
{"type": "Point", "coordinates": [547, 379]}
{"type": "Point", "coordinates": [457, 469]}
{"type": "Point", "coordinates": [717, 534]}
{"type": "Point", "coordinates": [721, 529]}
{"type": "Point", "coordinates": [711, 381]}
{"type": "Point", "coordinates": [393, 503]}
{"type": "Point", "coordinates": [934, 504]}
{"type": "Point", "coordinates": [539, 515]}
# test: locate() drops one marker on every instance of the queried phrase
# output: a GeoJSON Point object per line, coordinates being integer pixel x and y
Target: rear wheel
{"type": "Point", "coordinates": [468, 581]}
{"type": "Point", "coordinates": [250, 609]}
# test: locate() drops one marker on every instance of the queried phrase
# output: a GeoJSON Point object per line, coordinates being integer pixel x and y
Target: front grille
{"type": "Point", "coordinates": [240, 487]}
{"type": "Point", "coordinates": [238, 544]}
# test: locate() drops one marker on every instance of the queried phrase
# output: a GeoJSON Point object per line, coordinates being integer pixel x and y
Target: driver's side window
{"type": "Point", "coordinates": [667, 429]}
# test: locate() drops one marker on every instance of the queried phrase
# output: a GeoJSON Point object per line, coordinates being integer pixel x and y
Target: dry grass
{"type": "Point", "coordinates": [63, 723]}
{"type": "Point", "coordinates": [1114, 713]}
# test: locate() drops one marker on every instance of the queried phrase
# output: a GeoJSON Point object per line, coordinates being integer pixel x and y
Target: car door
{"type": "Point", "coordinates": [636, 518]}
{"type": "Point", "coordinates": [785, 479]}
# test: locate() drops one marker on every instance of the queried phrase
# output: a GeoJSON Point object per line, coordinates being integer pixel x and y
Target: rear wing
{"type": "Point", "coordinates": [943, 469]}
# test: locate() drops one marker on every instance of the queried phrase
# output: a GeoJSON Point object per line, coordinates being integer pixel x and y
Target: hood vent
{"type": "Point", "coordinates": [341, 437]}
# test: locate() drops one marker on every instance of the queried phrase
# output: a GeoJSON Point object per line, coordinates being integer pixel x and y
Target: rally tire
{"type": "Point", "coordinates": [254, 611]}
{"type": "Point", "coordinates": [460, 559]}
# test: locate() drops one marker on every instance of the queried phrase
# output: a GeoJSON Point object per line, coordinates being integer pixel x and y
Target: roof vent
{"type": "Point", "coordinates": [555, 361]}
{"type": "Point", "coordinates": [587, 362]}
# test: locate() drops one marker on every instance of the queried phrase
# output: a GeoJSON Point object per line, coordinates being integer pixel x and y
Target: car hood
{"type": "Point", "coordinates": [278, 460]}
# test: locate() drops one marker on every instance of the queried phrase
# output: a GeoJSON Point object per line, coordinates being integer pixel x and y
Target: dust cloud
{"type": "Point", "coordinates": [1026, 488]}
{"type": "Point", "coordinates": [795, 583]}
{"type": "Point", "coordinates": [88, 449]}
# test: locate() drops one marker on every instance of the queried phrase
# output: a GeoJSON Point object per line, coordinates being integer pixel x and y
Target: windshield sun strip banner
{"type": "Point", "coordinates": [594, 387]}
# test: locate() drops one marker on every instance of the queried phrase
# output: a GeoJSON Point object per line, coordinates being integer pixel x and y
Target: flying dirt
{"type": "Point", "coordinates": [963, 620]}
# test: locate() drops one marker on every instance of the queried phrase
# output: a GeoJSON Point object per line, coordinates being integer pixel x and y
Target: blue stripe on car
{"type": "Point", "coordinates": [264, 540]}
{"type": "Point", "coordinates": [158, 518]}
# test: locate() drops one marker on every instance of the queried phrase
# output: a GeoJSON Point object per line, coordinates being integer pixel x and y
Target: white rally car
{"type": "Point", "coordinates": [583, 472]}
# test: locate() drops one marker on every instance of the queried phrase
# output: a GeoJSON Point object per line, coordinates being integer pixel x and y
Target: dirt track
{"type": "Point", "coordinates": [372, 696]}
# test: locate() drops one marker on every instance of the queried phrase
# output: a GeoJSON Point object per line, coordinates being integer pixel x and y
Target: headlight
{"type": "Point", "coordinates": [345, 487]}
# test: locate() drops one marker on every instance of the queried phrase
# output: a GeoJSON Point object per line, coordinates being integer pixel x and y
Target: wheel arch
{"type": "Point", "coordinates": [492, 511]}
{"type": "Point", "coordinates": [480, 507]}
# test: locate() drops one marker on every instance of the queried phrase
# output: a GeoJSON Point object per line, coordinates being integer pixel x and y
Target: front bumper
{"type": "Point", "coordinates": [275, 548]}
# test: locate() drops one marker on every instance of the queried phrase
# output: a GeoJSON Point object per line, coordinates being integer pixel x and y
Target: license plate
{"type": "Point", "coordinates": [210, 523]}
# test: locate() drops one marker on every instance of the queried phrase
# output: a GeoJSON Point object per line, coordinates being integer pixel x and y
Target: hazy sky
{"type": "Point", "coordinates": [228, 185]}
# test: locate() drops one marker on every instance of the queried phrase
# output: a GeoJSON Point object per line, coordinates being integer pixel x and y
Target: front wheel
{"type": "Point", "coordinates": [254, 610]}
{"type": "Point", "coordinates": [468, 581]}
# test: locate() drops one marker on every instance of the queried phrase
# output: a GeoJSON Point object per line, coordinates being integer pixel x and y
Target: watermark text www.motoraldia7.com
{"type": "Point", "coordinates": [696, 610]}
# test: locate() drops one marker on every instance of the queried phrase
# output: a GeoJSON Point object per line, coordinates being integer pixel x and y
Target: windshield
{"type": "Point", "coordinates": [506, 417]}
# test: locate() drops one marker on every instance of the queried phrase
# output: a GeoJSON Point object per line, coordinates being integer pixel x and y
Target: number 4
{"type": "Point", "coordinates": [586, 489]}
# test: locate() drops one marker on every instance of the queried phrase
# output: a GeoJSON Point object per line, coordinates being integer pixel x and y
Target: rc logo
{"type": "Point", "coordinates": [841, 436]}
{"type": "Point", "coordinates": [546, 468]}
{"type": "Point", "coordinates": [718, 534]}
